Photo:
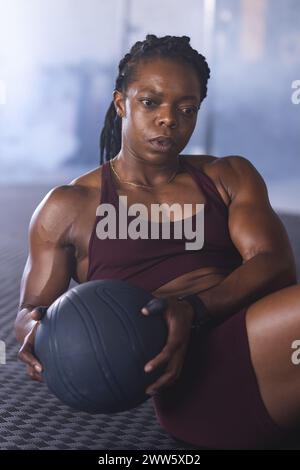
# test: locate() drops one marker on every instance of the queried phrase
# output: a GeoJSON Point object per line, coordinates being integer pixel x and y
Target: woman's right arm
{"type": "Point", "coordinates": [48, 269]}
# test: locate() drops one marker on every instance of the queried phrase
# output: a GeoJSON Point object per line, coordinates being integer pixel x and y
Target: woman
{"type": "Point", "coordinates": [233, 385]}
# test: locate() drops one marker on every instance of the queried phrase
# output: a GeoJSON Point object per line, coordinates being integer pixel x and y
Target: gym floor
{"type": "Point", "coordinates": [30, 417]}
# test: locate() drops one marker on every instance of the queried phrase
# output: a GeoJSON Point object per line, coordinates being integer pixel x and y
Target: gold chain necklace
{"type": "Point", "coordinates": [140, 185]}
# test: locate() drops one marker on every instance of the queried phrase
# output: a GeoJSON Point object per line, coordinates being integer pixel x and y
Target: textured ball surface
{"type": "Point", "coordinates": [94, 342]}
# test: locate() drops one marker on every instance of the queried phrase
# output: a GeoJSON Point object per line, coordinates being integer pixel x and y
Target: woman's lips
{"type": "Point", "coordinates": [162, 144]}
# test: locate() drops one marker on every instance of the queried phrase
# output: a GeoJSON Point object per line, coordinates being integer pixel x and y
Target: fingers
{"type": "Point", "coordinates": [166, 355]}
{"type": "Point", "coordinates": [170, 376]}
{"type": "Point", "coordinates": [25, 355]}
{"type": "Point", "coordinates": [174, 357]}
{"type": "Point", "coordinates": [33, 374]}
{"type": "Point", "coordinates": [38, 313]}
{"type": "Point", "coordinates": [155, 306]}
{"type": "Point", "coordinates": [163, 357]}
{"type": "Point", "coordinates": [34, 368]}
{"type": "Point", "coordinates": [26, 352]}
{"type": "Point", "coordinates": [164, 381]}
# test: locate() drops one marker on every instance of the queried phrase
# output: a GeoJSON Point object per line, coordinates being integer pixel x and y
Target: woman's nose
{"type": "Point", "coordinates": [168, 117]}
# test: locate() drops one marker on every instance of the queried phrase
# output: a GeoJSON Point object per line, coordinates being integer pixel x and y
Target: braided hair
{"type": "Point", "coordinates": [167, 47]}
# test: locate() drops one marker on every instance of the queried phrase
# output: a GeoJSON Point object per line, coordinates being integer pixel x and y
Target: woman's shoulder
{"type": "Point", "coordinates": [89, 180]}
{"type": "Point", "coordinates": [208, 162]}
{"type": "Point", "coordinates": [63, 205]}
{"type": "Point", "coordinates": [74, 195]}
{"type": "Point", "coordinates": [226, 172]}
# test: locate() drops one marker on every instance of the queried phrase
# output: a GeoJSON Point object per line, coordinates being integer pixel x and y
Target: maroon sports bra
{"type": "Point", "coordinates": [151, 263]}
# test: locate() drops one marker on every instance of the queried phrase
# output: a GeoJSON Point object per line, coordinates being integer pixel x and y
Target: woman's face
{"type": "Point", "coordinates": [162, 101]}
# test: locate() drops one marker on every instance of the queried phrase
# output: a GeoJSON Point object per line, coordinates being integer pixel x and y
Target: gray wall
{"type": "Point", "coordinates": [58, 62]}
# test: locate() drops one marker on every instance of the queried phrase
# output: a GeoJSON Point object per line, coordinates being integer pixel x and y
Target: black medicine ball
{"type": "Point", "coordinates": [94, 342]}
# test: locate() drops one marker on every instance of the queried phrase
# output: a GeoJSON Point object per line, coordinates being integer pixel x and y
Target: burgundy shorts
{"type": "Point", "coordinates": [216, 403]}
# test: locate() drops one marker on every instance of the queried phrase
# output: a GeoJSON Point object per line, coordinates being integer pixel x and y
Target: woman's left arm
{"type": "Point", "coordinates": [268, 264]}
{"type": "Point", "coordinates": [260, 237]}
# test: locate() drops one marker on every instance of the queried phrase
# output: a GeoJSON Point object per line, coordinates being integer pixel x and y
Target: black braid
{"type": "Point", "coordinates": [168, 47]}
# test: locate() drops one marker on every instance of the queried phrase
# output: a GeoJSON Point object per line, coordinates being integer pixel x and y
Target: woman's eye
{"type": "Point", "coordinates": [189, 111]}
{"type": "Point", "coordinates": [145, 101]}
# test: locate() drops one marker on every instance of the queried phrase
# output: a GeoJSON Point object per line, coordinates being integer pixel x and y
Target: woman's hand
{"type": "Point", "coordinates": [179, 317]}
{"type": "Point", "coordinates": [34, 368]}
